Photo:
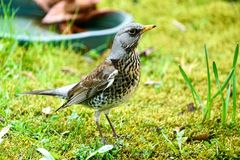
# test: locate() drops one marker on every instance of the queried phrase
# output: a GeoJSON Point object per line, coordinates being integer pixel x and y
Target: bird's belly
{"type": "Point", "coordinates": [115, 94]}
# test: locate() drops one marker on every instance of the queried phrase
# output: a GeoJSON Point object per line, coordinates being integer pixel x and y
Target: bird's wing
{"type": "Point", "coordinates": [100, 79]}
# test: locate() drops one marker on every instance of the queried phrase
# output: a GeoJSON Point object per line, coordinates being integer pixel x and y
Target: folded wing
{"type": "Point", "coordinates": [100, 79]}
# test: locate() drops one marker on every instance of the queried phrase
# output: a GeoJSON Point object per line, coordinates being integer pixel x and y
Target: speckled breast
{"type": "Point", "coordinates": [124, 84]}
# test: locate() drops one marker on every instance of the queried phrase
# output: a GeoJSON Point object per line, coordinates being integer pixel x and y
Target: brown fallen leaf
{"type": "Point", "coordinates": [4, 131]}
{"type": "Point", "coordinates": [191, 107]}
{"type": "Point", "coordinates": [46, 4]}
{"type": "Point", "coordinates": [71, 16]}
{"type": "Point", "coordinates": [70, 10]}
{"type": "Point", "coordinates": [69, 70]}
{"type": "Point", "coordinates": [146, 52]}
{"type": "Point", "coordinates": [79, 25]}
{"type": "Point", "coordinates": [201, 137]}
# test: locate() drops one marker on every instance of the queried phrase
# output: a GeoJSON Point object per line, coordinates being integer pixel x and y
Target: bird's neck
{"type": "Point", "coordinates": [121, 50]}
{"type": "Point", "coordinates": [122, 55]}
{"type": "Point", "coordinates": [128, 64]}
{"type": "Point", "coordinates": [124, 58]}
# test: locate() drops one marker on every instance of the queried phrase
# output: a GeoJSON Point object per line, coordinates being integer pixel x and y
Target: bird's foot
{"type": "Point", "coordinates": [123, 136]}
{"type": "Point", "coordinates": [115, 135]}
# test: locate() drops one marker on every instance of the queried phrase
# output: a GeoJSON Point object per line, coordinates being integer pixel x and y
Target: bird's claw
{"type": "Point", "coordinates": [115, 135]}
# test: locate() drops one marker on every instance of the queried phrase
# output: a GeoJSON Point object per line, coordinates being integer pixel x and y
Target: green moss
{"type": "Point", "coordinates": [140, 120]}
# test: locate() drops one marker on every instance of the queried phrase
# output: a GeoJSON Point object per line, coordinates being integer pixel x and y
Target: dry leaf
{"type": "Point", "coordinates": [47, 155]}
{"type": "Point", "coordinates": [180, 113]}
{"type": "Point", "coordinates": [70, 10]}
{"type": "Point", "coordinates": [4, 131]}
{"type": "Point", "coordinates": [146, 52]}
{"type": "Point", "coordinates": [201, 137]}
{"type": "Point", "coordinates": [57, 13]}
{"type": "Point", "coordinates": [29, 75]}
{"type": "Point", "coordinates": [191, 107]}
{"type": "Point", "coordinates": [46, 110]}
{"type": "Point", "coordinates": [103, 149]}
{"type": "Point", "coordinates": [68, 70]}
{"type": "Point", "coordinates": [150, 83]}
{"type": "Point", "coordinates": [46, 4]}
{"type": "Point", "coordinates": [179, 25]}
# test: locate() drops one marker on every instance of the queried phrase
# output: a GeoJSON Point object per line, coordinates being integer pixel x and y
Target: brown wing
{"type": "Point", "coordinates": [101, 78]}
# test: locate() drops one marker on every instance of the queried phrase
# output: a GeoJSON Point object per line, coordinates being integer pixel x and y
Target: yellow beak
{"type": "Point", "coordinates": [147, 28]}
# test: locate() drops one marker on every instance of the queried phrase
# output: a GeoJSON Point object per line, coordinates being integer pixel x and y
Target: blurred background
{"type": "Point", "coordinates": [160, 103]}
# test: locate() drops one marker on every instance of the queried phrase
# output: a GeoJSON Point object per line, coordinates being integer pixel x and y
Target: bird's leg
{"type": "Point", "coordinates": [113, 129]}
{"type": "Point", "coordinates": [97, 118]}
{"type": "Point", "coordinates": [100, 132]}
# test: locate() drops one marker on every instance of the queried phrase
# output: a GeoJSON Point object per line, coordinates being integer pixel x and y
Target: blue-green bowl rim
{"type": "Point", "coordinates": [51, 38]}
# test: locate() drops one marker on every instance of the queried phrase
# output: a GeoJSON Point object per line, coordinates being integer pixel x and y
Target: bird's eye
{"type": "Point", "coordinates": [132, 31]}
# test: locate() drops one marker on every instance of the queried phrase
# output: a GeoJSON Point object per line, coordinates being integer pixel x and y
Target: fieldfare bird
{"type": "Point", "coordinates": [109, 83]}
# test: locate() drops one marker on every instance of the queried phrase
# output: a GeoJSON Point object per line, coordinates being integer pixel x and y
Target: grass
{"type": "Point", "coordinates": [234, 85]}
{"type": "Point", "coordinates": [72, 132]}
{"type": "Point", "coordinates": [224, 103]}
{"type": "Point", "coordinates": [8, 17]}
{"type": "Point", "coordinates": [206, 109]}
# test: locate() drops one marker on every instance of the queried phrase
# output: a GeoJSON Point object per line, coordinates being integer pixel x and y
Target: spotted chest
{"type": "Point", "coordinates": [124, 84]}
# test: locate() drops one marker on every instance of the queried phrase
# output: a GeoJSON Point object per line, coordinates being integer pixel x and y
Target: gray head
{"type": "Point", "coordinates": [127, 39]}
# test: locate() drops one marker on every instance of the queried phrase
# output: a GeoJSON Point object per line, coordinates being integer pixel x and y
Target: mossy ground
{"type": "Point", "coordinates": [215, 23]}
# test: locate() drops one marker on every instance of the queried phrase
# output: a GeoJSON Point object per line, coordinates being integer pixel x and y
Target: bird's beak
{"type": "Point", "coordinates": [147, 28]}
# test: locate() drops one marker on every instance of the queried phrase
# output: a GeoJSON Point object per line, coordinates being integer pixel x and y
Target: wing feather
{"type": "Point", "coordinates": [100, 79]}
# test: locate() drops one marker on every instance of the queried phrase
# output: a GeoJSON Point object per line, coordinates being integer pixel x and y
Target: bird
{"type": "Point", "coordinates": [111, 82]}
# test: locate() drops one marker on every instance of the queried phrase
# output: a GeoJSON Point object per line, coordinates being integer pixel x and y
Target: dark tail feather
{"type": "Point", "coordinates": [39, 92]}
{"type": "Point", "coordinates": [60, 92]}
{"type": "Point", "coordinates": [62, 107]}
{"type": "Point", "coordinates": [43, 92]}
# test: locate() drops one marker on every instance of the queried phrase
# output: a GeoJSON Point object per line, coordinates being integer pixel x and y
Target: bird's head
{"type": "Point", "coordinates": [127, 38]}
{"type": "Point", "coordinates": [130, 34]}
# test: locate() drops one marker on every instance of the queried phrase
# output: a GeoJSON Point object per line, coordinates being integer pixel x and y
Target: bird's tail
{"type": "Point", "coordinates": [43, 92]}
{"type": "Point", "coordinates": [59, 92]}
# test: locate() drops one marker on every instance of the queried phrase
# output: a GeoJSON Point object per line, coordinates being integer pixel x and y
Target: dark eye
{"type": "Point", "coordinates": [132, 31]}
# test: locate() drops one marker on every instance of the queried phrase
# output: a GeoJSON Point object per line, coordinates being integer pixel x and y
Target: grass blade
{"type": "Point", "coordinates": [224, 85]}
{"type": "Point", "coordinates": [189, 84]}
{"type": "Point", "coordinates": [235, 56]}
{"type": "Point", "coordinates": [103, 149]}
{"type": "Point", "coordinates": [234, 96]}
{"type": "Point", "coordinates": [234, 85]}
{"type": "Point", "coordinates": [207, 111]}
{"type": "Point", "coordinates": [228, 96]}
{"type": "Point", "coordinates": [224, 108]}
{"type": "Point", "coordinates": [47, 155]}
{"type": "Point", "coordinates": [170, 144]}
